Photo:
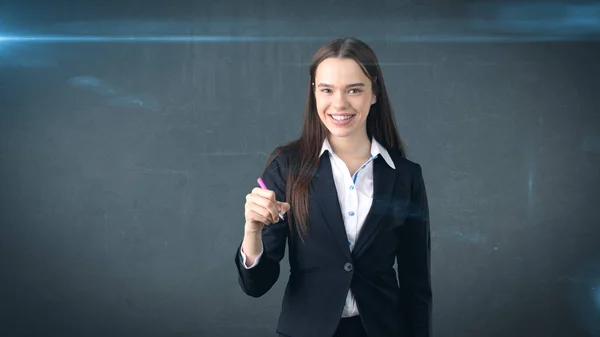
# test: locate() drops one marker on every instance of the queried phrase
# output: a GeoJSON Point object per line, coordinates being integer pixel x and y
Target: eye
{"type": "Point", "coordinates": [326, 90]}
{"type": "Point", "coordinates": [355, 91]}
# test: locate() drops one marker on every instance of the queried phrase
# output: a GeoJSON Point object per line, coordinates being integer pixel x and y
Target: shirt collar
{"type": "Point", "coordinates": [376, 150]}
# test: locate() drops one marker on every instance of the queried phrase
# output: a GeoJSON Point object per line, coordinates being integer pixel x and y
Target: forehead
{"type": "Point", "coordinates": [340, 71]}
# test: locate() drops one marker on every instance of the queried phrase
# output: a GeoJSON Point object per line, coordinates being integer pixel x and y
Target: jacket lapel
{"type": "Point", "coordinates": [384, 178]}
{"type": "Point", "coordinates": [324, 189]}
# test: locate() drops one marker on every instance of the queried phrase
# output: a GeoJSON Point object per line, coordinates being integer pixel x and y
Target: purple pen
{"type": "Point", "coordinates": [264, 187]}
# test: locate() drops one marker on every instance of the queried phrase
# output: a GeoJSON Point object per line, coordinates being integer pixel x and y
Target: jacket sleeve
{"type": "Point", "coordinates": [259, 279]}
{"type": "Point", "coordinates": [413, 260]}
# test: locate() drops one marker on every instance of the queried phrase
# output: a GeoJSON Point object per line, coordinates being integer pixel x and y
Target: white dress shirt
{"type": "Point", "coordinates": [355, 194]}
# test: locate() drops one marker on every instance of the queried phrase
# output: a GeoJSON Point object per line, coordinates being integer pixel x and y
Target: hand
{"type": "Point", "coordinates": [262, 209]}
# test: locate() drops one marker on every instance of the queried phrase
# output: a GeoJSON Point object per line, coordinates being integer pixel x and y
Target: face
{"type": "Point", "coordinates": [343, 96]}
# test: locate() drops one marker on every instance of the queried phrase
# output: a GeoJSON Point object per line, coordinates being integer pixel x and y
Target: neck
{"type": "Point", "coordinates": [358, 146]}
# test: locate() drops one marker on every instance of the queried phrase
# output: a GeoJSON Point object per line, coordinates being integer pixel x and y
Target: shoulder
{"type": "Point", "coordinates": [405, 167]}
{"type": "Point", "coordinates": [283, 156]}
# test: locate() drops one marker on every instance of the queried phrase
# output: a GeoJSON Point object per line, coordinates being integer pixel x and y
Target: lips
{"type": "Point", "coordinates": [341, 117]}
{"type": "Point", "coordinates": [346, 119]}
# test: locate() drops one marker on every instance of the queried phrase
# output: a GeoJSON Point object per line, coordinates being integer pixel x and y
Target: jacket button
{"type": "Point", "coordinates": [348, 266]}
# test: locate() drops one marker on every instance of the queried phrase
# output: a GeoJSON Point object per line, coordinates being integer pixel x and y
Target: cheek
{"type": "Point", "coordinates": [322, 105]}
{"type": "Point", "coordinates": [363, 106]}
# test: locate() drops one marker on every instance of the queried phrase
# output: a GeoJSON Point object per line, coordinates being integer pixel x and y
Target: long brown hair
{"type": "Point", "coordinates": [380, 125]}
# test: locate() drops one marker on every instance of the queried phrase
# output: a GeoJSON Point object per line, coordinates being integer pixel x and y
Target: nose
{"type": "Point", "coordinates": [339, 101]}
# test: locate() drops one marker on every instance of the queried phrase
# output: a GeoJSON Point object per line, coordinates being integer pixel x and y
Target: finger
{"type": "Point", "coordinates": [266, 211]}
{"type": "Point", "coordinates": [252, 215]}
{"type": "Point", "coordinates": [261, 219]}
{"type": "Point", "coordinates": [264, 193]}
{"type": "Point", "coordinates": [267, 204]}
{"type": "Point", "coordinates": [254, 212]}
{"type": "Point", "coordinates": [283, 207]}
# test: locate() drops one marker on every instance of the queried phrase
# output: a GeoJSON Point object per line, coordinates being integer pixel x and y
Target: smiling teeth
{"type": "Point", "coordinates": [340, 118]}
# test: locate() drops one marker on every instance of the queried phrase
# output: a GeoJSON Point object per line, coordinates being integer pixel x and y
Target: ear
{"type": "Point", "coordinates": [374, 99]}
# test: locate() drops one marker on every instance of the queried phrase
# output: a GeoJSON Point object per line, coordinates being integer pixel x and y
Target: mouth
{"type": "Point", "coordinates": [341, 118]}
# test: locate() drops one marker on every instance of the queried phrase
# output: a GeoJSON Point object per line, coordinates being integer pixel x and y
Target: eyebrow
{"type": "Point", "coordinates": [359, 84]}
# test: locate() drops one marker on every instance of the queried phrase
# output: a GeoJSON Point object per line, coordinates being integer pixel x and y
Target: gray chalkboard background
{"type": "Point", "coordinates": [130, 135]}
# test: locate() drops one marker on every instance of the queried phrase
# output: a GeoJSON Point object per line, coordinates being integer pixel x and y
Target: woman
{"type": "Point", "coordinates": [353, 206]}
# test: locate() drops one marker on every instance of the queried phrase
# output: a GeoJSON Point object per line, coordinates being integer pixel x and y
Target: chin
{"type": "Point", "coordinates": [343, 133]}
{"type": "Point", "coordinates": [335, 132]}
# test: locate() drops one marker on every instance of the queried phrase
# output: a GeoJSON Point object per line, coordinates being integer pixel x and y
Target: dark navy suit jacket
{"type": "Point", "coordinates": [323, 269]}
